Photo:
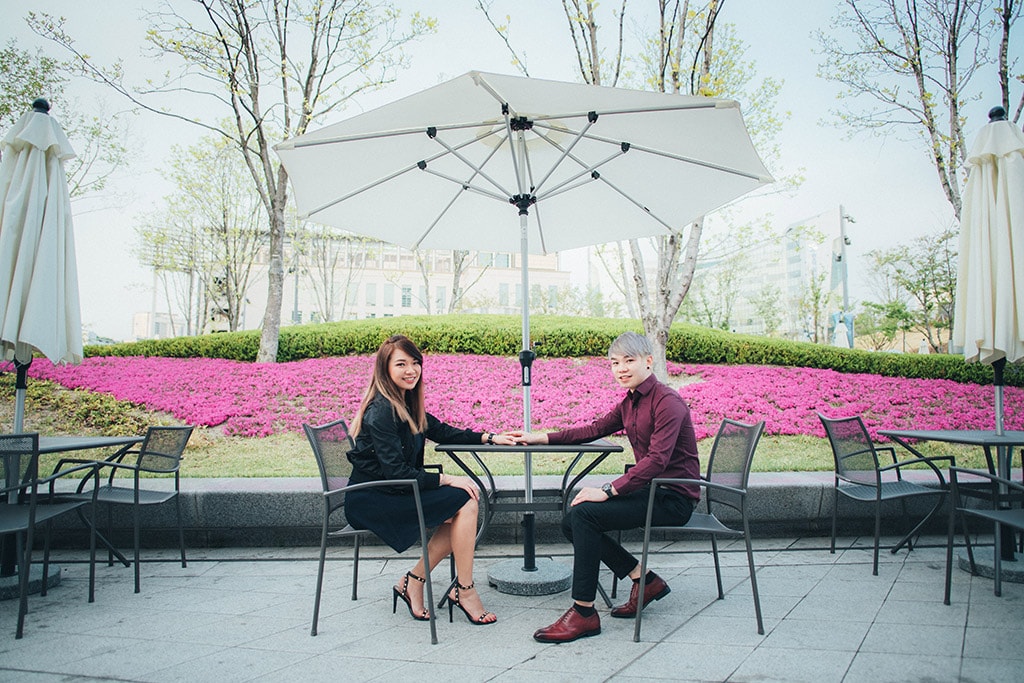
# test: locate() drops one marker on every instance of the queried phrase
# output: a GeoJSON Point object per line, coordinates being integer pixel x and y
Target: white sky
{"type": "Point", "coordinates": [888, 186]}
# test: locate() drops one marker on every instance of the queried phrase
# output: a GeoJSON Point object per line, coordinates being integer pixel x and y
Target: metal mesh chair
{"type": "Point", "coordinates": [331, 443]}
{"type": "Point", "coordinates": [1003, 493]}
{"type": "Point", "coordinates": [23, 507]}
{"type": "Point", "coordinates": [861, 476]}
{"type": "Point", "coordinates": [160, 453]}
{"type": "Point", "coordinates": [725, 484]}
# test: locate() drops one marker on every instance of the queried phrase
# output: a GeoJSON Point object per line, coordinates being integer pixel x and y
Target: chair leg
{"type": "Point", "coordinates": [110, 534]}
{"type": "Point", "coordinates": [642, 584]}
{"type": "Point", "coordinates": [908, 539]}
{"type": "Point", "coordinates": [997, 563]}
{"type": "Point", "coordinates": [835, 512]}
{"type": "Point", "coordinates": [604, 595]}
{"type": "Point", "coordinates": [23, 577]}
{"type": "Point", "coordinates": [320, 578]}
{"type": "Point", "coordinates": [951, 524]}
{"type": "Point", "coordinates": [92, 554]}
{"type": "Point", "coordinates": [878, 534]}
{"type": "Point", "coordinates": [753, 581]}
{"type": "Point", "coordinates": [718, 568]}
{"type": "Point", "coordinates": [181, 531]}
{"type": "Point", "coordinates": [138, 572]}
{"type": "Point", "coordinates": [46, 558]}
{"type": "Point", "coordinates": [355, 566]}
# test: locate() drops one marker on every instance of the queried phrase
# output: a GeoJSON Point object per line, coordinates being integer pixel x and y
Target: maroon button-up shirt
{"type": "Point", "coordinates": [657, 422]}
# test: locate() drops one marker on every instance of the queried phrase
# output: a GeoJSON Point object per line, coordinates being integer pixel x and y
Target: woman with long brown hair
{"type": "Point", "coordinates": [390, 430]}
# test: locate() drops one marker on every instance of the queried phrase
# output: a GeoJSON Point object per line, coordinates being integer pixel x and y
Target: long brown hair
{"type": "Point", "coordinates": [408, 409]}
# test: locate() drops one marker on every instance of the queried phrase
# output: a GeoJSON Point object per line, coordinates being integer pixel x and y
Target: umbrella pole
{"type": "Point", "coordinates": [997, 369]}
{"type": "Point", "coordinates": [526, 357]}
{"type": "Point", "coordinates": [20, 385]}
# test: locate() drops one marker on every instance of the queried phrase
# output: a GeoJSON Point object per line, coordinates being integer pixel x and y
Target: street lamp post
{"type": "Point", "coordinates": [844, 241]}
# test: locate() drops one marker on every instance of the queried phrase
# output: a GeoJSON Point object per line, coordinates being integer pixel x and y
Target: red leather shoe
{"type": "Point", "coordinates": [656, 589]}
{"type": "Point", "coordinates": [569, 627]}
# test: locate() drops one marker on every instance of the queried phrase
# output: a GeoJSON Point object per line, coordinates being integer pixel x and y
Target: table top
{"type": "Point", "coordinates": [974, 437]}
{"type": "Point", "coordinates": [60, 444]}
{"type": "Point", "coordinates": [598, 446]}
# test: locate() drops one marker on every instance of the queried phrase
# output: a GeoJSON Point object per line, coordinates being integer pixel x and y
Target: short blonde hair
{"type": "Point", "coordinates": [631, 344]}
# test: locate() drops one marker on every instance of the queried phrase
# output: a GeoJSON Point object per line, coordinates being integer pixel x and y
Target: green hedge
{"type": "Point", "coordinates": [555, 337]}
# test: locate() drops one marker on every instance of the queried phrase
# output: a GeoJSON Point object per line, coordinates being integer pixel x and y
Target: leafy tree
{"type": "Point", "coordinates": [333, 262]}
{"type": "Point", "coordinates": [814, 303]}
{"type": "Point", "coordinates": [879, 323]}
{"type": "Point", "coordinates": [916, 64]}
{"type": "Point", "coordinates": [926, 270]}
{"type": "Point", "coordinates": [687, 51]}
{"type": "Point", "coordinates": [210, 233]}
{"type": "Point", "coordinates": [273, 67]}
{"type": "Point", "coordinates": [768, 306]}
{"type": "Point", "coordinates": [98, 139]}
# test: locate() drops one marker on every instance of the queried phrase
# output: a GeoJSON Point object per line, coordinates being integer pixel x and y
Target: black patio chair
{"type": "Point", "coordinates": [331, 443]}
{"type": "Point", "coordinates": [23, 507]}
{"type": "Point", "coordinates": [1004, 493]}
{"type": "Point", "coordinates": [861, 476]}
{"type": "Point", "coordinates": [160, 453]}
{"type": "Point", "coordinates": [724, 485]}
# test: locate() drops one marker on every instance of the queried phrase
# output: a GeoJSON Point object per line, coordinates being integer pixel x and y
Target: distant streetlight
{"type": "Point", "coordinates": [844, 241]}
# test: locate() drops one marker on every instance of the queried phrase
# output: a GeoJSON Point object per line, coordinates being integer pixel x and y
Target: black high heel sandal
{"type": "Point", "coordinates": [457, 602]}
{"type": "Point", "coordinates": [404, 594]}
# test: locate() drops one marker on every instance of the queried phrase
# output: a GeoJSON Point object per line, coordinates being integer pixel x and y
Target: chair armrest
{"type": "Point", "coordinates": [73, 461]}
{"type": "Point", "coordinates": [930, 461]}
{"type": "Point", "coordinates": [703, 483]}
{"type": "Point", "coordinates": [88, 466]}
{"type": "Point", "coordinates": [439, 467]}
{"type": "Point", "coordinates": [892, 452]}
{"type": "Point", "coordinates": [995, 479]}
{"type": "Point", "coordinates": [412, 483]}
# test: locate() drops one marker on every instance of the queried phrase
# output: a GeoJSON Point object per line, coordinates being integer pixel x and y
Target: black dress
{"type": "Point", "coordinates": [386, 448]}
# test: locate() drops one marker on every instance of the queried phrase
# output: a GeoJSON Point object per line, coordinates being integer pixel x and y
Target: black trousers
{"type": "Point", "coordinates": [585, 526]}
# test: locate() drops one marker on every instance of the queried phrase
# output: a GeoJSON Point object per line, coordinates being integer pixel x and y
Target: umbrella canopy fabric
{"type": "Point", "coordinates": [439, 169]}
{"type": "Point", "coordinates": [989, 313]}
{"type": "Point", "coordinates": [39, 308]}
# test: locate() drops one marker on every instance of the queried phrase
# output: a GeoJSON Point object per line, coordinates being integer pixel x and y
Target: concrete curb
{"type": "Point", "coordinates": [284, 512]}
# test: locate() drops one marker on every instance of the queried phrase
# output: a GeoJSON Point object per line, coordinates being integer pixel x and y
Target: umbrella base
{"type": "Point", "coordinates": [549, 577]}
{"type": "Point", "coordinates": [1013, 570]}
{"type": "Point", "coordinates": [10, 588]}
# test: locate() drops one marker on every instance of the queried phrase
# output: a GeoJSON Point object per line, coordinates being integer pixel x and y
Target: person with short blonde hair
{"type": "Point", "coordinates": [657, 421]}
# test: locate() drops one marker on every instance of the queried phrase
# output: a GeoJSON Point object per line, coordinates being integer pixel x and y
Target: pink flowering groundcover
{"type": "Point", "coordinates": [484, 392]}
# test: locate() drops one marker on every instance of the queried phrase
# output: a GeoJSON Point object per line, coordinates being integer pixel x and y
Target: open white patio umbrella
{"type": "Point", "coordinates": [452, 166]}
{"type": "Point", "coordinates": [989, 311]}
{"type": "Point", "coordinates": [39, 308]}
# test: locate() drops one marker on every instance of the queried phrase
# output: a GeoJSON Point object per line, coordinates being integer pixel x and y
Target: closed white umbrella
{"type": "Point", "coordinates": [989, 310]}
{"type": "Point", "coordinates": [39, 309]}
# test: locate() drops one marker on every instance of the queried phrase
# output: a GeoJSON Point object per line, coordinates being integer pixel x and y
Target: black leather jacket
{"type": "Point", "coordinates": [386, 448]}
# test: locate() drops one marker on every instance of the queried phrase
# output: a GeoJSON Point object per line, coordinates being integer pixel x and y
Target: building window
{"type": "Point", "coordinates": [439, 300]}
{"type": "Point", "coordinates": [503, 294]}
{"type": "Point", "coordinates": [371, 293]}
{"type": "Point", "coordinates": [406, 296]}
{"type": "Point", "coordinates": [502, 261]}
{"type": "Point", "coordinates": [389, 296]}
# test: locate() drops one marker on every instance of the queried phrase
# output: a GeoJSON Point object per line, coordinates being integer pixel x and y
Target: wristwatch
{"type": "Point", "coordinates": [490, 438]}
{"type": "Point", "coordinates": [607, 488]}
